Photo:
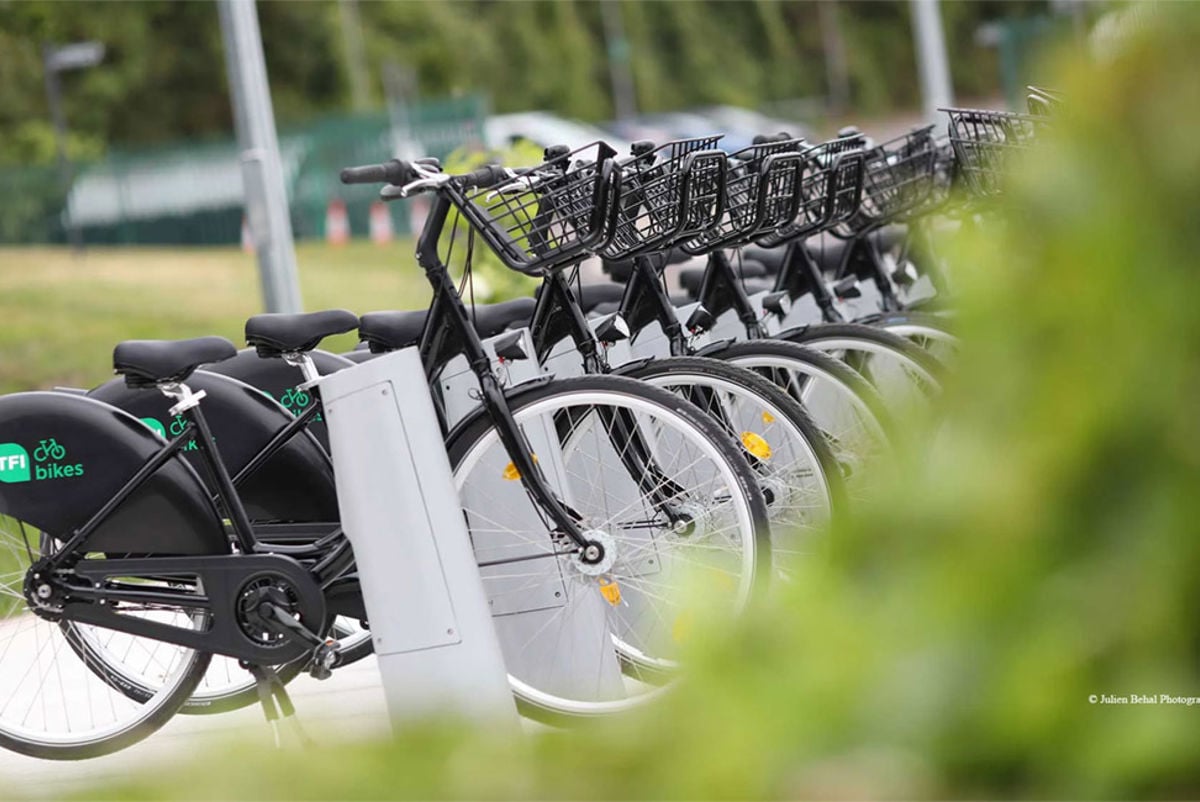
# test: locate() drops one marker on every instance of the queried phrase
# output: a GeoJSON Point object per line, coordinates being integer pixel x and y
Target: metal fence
{"type": "Point", "coordinates": [191, 193]}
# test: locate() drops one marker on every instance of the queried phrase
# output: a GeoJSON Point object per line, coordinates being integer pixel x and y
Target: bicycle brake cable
{"type": "Point", "coordinates": [468, 275]}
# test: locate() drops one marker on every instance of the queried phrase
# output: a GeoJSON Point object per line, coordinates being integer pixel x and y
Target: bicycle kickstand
{"type": "Point", "coordinates": [276, 703]}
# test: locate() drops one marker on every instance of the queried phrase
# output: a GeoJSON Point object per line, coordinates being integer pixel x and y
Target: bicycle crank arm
{"type": "Point", "coordinates": [236, 591]}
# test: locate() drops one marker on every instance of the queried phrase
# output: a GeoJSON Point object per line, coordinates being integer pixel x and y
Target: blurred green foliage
{"type": "Point", "coordinates": [1038, 547]}
{"type": "Point", "coordinates": [163, 74]}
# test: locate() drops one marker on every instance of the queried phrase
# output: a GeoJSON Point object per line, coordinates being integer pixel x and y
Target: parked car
{"type": "Point", "coordinates": [739, 126]}
{"type": "Point", "coordinates": [744, 124]}
{"type": "Point", "coordinates": [663, 127]}
{"type": "Point", "coordinates": [544, 129]}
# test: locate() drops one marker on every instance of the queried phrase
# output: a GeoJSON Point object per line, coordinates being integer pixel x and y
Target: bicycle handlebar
{"type": "Point", "coordinates": [487, 176]}
{"type": "Point", "coordinates": [394, 171]}
{"type": "Point", "coordinates": [404, 177]}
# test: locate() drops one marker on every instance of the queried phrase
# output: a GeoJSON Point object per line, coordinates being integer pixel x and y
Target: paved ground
{"type": "Point", "coordinates": [350, 704]}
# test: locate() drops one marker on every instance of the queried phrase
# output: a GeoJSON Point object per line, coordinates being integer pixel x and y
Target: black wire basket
{"type": "Point", "coordinates": [830, 189]}
{"type": "Point", "coordinates": [985, 141]}
{"type": "Point", "coordinates": [897, 179]}
{"type": "Point", "coordinates": [943, 183]}
{"type": "Point", "coordinates": [551, 215]}
{"type": "Point", "coordinates": [1042, 102]}
{"type": "Point", "coordinates": [668, 194]}
{"type": "Point", "coordinates": [762, 193]}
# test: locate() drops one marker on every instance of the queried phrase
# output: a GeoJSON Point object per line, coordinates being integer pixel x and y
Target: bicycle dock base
{"type": "Point", "coordinates": [434, 639]}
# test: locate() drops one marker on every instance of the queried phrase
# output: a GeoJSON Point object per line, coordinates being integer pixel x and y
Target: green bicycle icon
{"type": "Point", "coordinates": [178, 424]}
{"type": "Point", "coordinates": [295, 399]}
{"type": "Point", "coordinates": [49, 449]}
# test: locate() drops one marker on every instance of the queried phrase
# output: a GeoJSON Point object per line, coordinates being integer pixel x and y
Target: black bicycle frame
{"type": "Point", "coordinates": [447, 333]}
{"type": "Point", "coordinates": [197, 429]}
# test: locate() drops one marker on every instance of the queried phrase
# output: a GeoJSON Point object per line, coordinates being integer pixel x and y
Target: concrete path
{"type": "Point", "coordinates": [348, 705]}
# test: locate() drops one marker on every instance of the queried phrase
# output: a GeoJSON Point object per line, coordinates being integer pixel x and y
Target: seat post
{"type": "Point", "coordinates": [304, 361]}
{"type": "Point", "coordinates": [188, 405]}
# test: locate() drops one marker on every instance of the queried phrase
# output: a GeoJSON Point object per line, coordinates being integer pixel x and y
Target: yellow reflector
{"type": "Point", "coordinates": [611, 591]}
{"type": "Point", "coordinates": [768, 418]}
{"type": "Point", "coordinates": [682, 628]}
{"type": "Point", "coordinates": [723, 581]}
{"type": "Point", "coordinates": [511, 473]}
{"type": "Point", "coordinates": [756, 445]}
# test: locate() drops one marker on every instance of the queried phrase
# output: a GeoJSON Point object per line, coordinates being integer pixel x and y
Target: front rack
{"type": "Point", "coordinates": [668, 194]}
{"type": "Point", "coordinates": [762, 193]}
{"type": "Point", "coordinates": [983, 143]}
{"type": "Point", "coordinates": [551, 215]}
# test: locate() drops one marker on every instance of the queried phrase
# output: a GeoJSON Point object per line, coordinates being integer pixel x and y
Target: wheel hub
{"type": "Point", "coordinates": [598, 556]}
{"type": "Point", "coordinates": [688, 521]}
{"type": "Point", "coordinates": [44, 597]}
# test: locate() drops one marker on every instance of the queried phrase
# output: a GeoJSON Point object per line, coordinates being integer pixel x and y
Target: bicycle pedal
{"type": "Point", "coordinates": [324, 659]}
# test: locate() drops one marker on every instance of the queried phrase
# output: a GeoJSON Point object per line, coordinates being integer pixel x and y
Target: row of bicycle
{"type": "Point", "coordinates": [172, 539]}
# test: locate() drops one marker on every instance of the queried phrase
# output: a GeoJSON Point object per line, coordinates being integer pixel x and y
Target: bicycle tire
{"type": "Point", "coordinates": [861, 339]}
{"type": "Point", "coordinates": [932, 333]}
{"type": "Point", "coordinates": [467, 448]}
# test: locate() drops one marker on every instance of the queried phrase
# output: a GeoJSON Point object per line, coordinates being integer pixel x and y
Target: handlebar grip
{"type": "Point", "coordinates": [767, 139]}
{"type": "Point", "coordinates": [486, 176]}
{"type": "Point", "coordinates": [394, 171]}
{"type": "Point", "coordinates": [641, 147]}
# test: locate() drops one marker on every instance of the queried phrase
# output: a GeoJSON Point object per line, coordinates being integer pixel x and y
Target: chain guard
{"type": "Point", "coordinates": [221, 582]}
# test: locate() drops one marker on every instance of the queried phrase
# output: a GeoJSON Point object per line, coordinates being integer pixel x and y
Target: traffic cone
{"type": "Point", "coordinates": [418, 210]}
{"type": "Point", "coordinates": [381, 223]}
{"type": "Point", "coordinates": [337, 223]}
{"type": "Point", "coordinates": [247, 237]}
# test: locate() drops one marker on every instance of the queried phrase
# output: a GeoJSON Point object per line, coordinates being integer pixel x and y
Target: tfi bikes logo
{"type": "Point", "coordinates": [173, 429]}
{"type": "Point", "coordinates": [47, 462]}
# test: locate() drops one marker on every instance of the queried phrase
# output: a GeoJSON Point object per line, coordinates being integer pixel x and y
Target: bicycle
{"type": "Point", "coordinates": [135, 543]}
{"type": "Point", "coordinates": [597, 446]}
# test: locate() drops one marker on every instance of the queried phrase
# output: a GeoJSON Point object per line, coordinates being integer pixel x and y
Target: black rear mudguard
{"type": "Point", "coordinates": [279, 380]}
{"type": "Point", "coordinates": [64, 456]}
{"type": "Point", "coordinates": [296, 484]}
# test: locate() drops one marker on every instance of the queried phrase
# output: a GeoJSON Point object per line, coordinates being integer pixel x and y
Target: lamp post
{"type": "Point", "coordinates": [932, 63]}
{"type": "Point", "coordinates": [57, 59]}
{"type": "Point", "coordinates": [262, 167]}
{"type": "Point", "coordinates": [624, 93]}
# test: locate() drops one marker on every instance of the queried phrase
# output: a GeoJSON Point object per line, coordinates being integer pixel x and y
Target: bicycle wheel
{"type": "Point", "coordinates": [683, 523]}
{"type": "Point", "coordinates": [847, 409]}
{"type": "Point", "coordinates": [930, 332]}
{"type": "Point", "coordinates": [799, 477]}
{"type": "Point", "coordinates": [904, 374]}
{"type": "Point", "coordinates": [54, 701]}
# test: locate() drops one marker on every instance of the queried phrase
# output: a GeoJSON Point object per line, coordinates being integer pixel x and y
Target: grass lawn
{"type": "Point", "coordinates": [62, 314]}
